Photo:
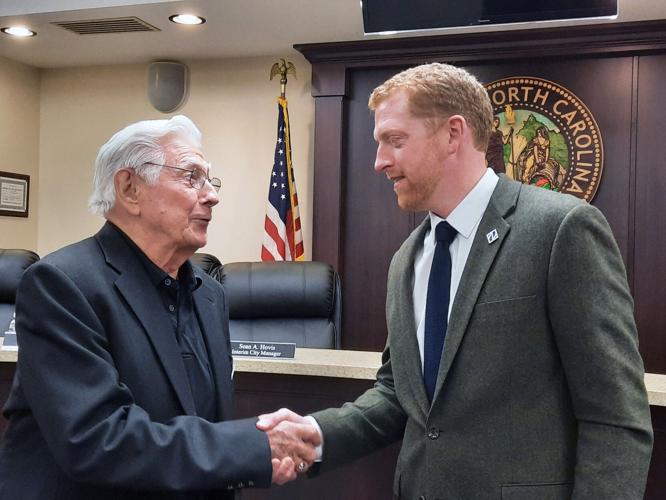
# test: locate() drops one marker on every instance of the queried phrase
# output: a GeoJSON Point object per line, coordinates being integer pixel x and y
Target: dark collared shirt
{"type": "Point", "coordinates": [176, 294]}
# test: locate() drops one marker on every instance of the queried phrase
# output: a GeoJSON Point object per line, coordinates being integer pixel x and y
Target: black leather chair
{"type": "Point", "coordinates": [296, 302]}
{"type": "Point", "coordinates": [208, 262]}
{"type": "Point", "coordinates": [12, 265]}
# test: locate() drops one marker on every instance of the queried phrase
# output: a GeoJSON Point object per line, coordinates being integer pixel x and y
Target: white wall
{"type": "Point", "coordinates": [19, 146]}
{"type": "Point", "coordinates": [234, 104]}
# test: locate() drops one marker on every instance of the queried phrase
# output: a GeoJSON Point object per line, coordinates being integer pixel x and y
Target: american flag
{"type": "Point", "coordinates": [282, 237]}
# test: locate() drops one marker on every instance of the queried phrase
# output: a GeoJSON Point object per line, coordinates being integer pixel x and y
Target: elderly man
{"type": "Point", "coordinates": [512, 368]}
{"type": "Point", "coordinates": [123, 387]}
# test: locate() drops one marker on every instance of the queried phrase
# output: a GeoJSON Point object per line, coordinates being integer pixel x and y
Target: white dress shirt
{"type": "Point", "coordinates": [465, 219]}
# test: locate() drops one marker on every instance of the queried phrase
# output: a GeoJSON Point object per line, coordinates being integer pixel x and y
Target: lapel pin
{"type": "Point", "coordinates": [492, 236]}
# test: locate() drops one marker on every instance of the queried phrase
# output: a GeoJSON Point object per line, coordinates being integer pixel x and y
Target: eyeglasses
{"type": "Point", "coordinates": [198, 176]}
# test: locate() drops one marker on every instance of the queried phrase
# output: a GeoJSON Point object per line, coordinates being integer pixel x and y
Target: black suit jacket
{"type": "Point", "coordinates": [100, 406]}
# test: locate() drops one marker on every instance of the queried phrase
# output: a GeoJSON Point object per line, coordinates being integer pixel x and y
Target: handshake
{"type": "Point", "coordinates": [293, 440]}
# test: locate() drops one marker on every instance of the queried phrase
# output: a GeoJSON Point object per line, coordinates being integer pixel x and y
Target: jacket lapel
{"type": "Point", "coordinates": [135, 286]}
{"type": "Point", "coordinates": [480, 259]}
{"type": "Point", "coordinates": [213, 328]}
{"type": "Point", "coordinates": [404, 341]}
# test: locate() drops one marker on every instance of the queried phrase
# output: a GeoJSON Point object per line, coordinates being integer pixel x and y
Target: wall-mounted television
{"type": "Point", "coordinates": [407, 15]}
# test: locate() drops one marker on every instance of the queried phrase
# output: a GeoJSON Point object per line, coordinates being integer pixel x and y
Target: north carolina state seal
{"type": "Point", "coordinates": [544, 135]}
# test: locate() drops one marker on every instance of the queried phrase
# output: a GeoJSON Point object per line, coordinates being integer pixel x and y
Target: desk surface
{"type": "Point", "coordinates": [317, 362]}
{"type": "Point", "coordinates": [7, 356]}
{"type": "Point", "coordinates": [355, 365]}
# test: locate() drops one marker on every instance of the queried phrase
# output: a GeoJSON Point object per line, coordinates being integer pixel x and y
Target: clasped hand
{"type": "Point", "coordinates": [292, 440]}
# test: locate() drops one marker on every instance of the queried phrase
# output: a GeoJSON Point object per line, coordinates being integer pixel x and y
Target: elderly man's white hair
{"type": "Point", "coordinates": [135, 147]}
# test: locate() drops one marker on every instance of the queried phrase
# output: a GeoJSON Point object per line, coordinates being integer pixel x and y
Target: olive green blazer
{"type": "Point", "coordinates": [540, 393]}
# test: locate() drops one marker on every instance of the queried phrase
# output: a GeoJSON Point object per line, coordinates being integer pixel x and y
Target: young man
{"type": "Point", "coordinates": [511, 368]}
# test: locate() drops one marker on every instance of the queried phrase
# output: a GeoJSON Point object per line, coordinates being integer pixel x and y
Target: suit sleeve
{"type": "Point", "coordinates": [375, 420]}
{"type": "Point", "coordinates": [591, 312]}
{"type": "Point", "coordinates": [89, 419]}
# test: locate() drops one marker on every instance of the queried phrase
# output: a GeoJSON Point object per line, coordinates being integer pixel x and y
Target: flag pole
{"type": "Point", "coordinates": [283, 238]}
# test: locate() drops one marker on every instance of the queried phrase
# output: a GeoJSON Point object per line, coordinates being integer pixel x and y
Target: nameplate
{"type": "Point", "coordinates": [274, 350]}
{"type": "Point", "coordinates": [9, 342]}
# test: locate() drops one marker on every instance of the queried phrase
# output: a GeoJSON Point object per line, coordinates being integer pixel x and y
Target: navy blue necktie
{"type": "Point", "coordinates": [437, 306]}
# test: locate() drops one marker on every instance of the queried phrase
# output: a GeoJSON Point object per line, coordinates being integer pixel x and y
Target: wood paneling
{"type": "Point", "coordinates": [656, 484]}
{"type": "Point", "coordinates": [374, 227]}
{"type": "Point", "coordinates": [650, 223]}
{"type": "Point", "coordinates": [328, 185]}
{"type": "Point", "coordinates": [598, 40]}
{"type": "Point", "coordinates": [617, 70]}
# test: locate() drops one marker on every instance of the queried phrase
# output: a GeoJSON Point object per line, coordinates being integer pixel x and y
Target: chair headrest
{"type": "Point", "coordinates": [12, 265]}
{"type": "Point", "coordinates": [279, 289]}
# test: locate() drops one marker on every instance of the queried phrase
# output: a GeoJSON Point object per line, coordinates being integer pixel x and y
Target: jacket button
{"type": "Point", "coordinates": [433, 433]}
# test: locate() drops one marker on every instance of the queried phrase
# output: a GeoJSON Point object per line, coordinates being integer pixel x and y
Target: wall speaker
{"type": "Point", "coordinates": [167, 85]}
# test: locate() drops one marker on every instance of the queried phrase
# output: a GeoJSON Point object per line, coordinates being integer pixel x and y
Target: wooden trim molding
{"type": "Point", "coordinates": [328, 185]}
{"type": "Point", "coordinates": [607, 38]}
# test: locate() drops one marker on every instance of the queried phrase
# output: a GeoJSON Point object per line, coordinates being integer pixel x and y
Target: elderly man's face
{"type": "Point", "coordinates": [172, 210]}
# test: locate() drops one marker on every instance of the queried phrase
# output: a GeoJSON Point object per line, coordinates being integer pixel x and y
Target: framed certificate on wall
{"type": "Point", "coordinates": [14, 193]}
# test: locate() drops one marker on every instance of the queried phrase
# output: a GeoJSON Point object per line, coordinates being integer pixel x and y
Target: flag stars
{"type": "Point", "coordinates": [283, 197]}
{"type": "Point", "coordinates": [275, 184]}
{"type": "Point", "coordinates": [280, 151]}
{"type": "Point", "coordinates": [274, 174]}
{"type": "Point", "coordinates": [282, 186]}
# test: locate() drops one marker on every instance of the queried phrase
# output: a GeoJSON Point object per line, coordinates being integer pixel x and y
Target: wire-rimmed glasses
{"type": "Point", "coordinates": [198, 176]}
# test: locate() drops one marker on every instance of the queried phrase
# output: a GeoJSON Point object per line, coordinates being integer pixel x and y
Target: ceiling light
{"type": "Point", "coordinates": [186, 19]}
{"type": "Point", "coordinates": [20, 31]}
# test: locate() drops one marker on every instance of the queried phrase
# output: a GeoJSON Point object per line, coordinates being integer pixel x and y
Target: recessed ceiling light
{"type": "Point", "coordinates": [186, 19]}
{"type": "Point", "coordinates": [20, 31]}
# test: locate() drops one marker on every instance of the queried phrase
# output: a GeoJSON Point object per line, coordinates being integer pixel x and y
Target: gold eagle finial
{"type": "Point", "coordinates": [283, 69]}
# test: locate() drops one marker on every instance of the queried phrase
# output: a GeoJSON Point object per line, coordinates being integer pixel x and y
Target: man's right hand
{"type": "Point", "coordinates": [292, 440]}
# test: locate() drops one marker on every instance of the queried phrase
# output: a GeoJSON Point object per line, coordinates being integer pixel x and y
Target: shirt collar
{"type": "Point", "coordinates": [465, 217]}
{"type": "Point", "coordinates": [186, 273]}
